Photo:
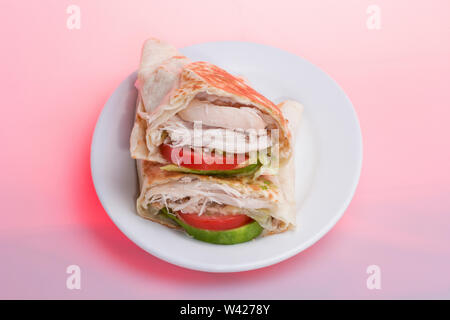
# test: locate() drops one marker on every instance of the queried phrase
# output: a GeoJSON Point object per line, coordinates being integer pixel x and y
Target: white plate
{"type": "Point", "coordinates": [328, 160]}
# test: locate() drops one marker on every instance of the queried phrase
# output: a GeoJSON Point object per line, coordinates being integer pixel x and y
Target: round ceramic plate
{"type": "Point", "coordinates": [328, 153]}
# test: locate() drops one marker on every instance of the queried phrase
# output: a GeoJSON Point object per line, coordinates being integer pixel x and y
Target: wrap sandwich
{"type": "Point", "coordinates": [175, 94]}
{"type": "Point", "coordinates": [226, 183]}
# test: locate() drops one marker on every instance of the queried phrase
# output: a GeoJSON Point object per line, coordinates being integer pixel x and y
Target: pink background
{"type": "Point", "coordinates": [55, 81]}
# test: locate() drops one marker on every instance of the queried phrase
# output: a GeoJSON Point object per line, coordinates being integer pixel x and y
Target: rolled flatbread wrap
{"type": "Point", "coordinates": [262, 198]}
{"type": "Point", "coordinates": [174, 93]}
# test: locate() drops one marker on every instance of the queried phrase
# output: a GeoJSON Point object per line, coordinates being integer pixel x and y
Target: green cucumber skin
{"type": "Point", "coordinates": [226, 237]}
{"type": "Point", "coordinates": [245, 171]}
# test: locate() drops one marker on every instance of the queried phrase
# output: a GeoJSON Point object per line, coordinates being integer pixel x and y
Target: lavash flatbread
{"type": "Point", "coordinates": [268, 188]}
{"type": "Point", "coordinates": [168, 82]}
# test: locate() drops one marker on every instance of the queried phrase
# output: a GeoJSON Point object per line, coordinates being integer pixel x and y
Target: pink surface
{"type": "Point", "coordinates": [55, 82]}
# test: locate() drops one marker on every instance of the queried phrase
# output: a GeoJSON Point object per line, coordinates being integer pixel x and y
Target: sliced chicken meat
{"type": "Point", "coordinates": [182, 133]}
{"type": "Point", "coordinates": [196, 194]}
{"type": "Point", "coordinates": [221, 116]}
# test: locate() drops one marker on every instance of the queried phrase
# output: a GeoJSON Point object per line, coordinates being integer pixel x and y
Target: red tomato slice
{"type": "Point", "coordinates": [215, 222]}
{"type": "Point", "coordinates": [186, 157]}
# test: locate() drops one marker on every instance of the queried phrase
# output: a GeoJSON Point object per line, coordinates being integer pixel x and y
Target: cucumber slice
{"type": "Point", "coordinates": [244, 171]}
{"type": "Point", "coordinates": [232, 236]}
